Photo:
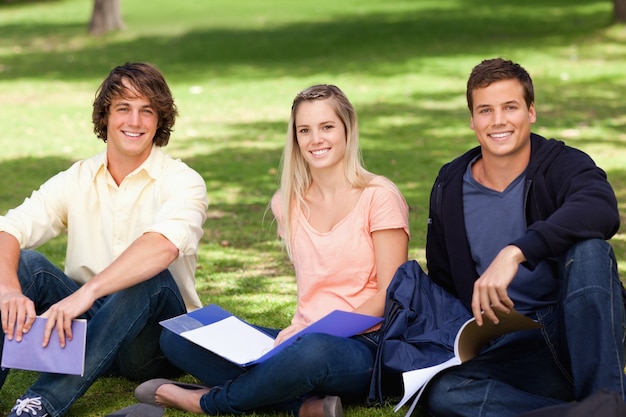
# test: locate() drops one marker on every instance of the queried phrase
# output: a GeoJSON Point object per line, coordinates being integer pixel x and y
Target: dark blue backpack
{"type": "Point", "coordinates": [420, 324]}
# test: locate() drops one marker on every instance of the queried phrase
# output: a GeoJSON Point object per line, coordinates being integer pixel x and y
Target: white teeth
{"type": "Point", "coordinates": [319, 152]}
{"type": "Point", "coordinates": [500, 135]}
{"type": "Point", "coordinates": [132, 134]}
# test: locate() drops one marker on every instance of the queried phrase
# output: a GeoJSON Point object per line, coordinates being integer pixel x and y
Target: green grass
{"type": "Point", "coordinates": [234, 67]}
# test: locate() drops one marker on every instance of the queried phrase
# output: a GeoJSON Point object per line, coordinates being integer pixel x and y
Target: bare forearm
{"type": "Point", "coordinates": [16, 310]}
{"type": "Point", "coordinates": [9, 258]}
{"type": "Point", "coordinates": [374, 306]}
{"type": "Point", "coordinates": [146, 257]}
{"type": "Point", "coordinates": [391, 249]}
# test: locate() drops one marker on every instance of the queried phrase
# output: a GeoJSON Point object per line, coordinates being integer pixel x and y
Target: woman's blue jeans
{"type": "Point", "coordinates": [579, 350]}
{"type": "Point", "coordinates": [122, 331]}
{"type": "Point", "coordinates": [315, 364]}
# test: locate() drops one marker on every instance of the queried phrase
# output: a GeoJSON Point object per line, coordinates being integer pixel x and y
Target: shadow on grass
{"type": "Point", "coordinates": [7, 4]}
{"type": "Point", "coordinates": [376, 43]}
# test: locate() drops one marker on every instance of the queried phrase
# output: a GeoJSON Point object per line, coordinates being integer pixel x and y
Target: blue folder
{"type": "Point", "coordinates": [337, 323]}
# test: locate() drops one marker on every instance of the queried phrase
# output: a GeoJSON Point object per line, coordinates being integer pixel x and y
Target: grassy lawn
{"type": "Point", "coordinates": [234, 67]}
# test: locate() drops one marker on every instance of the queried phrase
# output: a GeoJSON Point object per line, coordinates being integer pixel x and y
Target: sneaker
{"type": "Point", "coordinates": [28, 407]}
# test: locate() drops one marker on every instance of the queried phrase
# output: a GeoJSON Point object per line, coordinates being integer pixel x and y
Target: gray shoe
{"type": "Point", "coordinates": [138, 410]}
{"type": "Point", "coordinates": [332, 406]}
{"type": "Point", "coordinates": [146, 392]}
{"type": "Point", "coordinates": [327, 406]}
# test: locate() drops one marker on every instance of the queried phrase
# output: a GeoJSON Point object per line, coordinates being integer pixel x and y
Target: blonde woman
{"type": "Point", "coordinates": [346, 232]}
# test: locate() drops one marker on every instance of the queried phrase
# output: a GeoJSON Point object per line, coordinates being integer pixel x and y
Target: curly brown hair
{"type": "Point", "coordinates": [149, 82]}
{"type": "Point", "coordinates": [498, 69]}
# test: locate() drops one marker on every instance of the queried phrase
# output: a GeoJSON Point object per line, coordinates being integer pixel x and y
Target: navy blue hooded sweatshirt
{"type": "Point", "coordinates": [567, 199]}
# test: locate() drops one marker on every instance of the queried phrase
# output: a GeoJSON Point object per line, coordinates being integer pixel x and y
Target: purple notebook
{"type": "Point", "coordinates": [29, 355]}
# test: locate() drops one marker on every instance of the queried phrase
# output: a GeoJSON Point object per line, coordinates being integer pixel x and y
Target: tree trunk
{"type": "Point", "coordinates": [106, 17]}
{"type": "Point", "coordinates": [619, 6]}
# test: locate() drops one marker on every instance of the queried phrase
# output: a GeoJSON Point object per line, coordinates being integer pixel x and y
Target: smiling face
{"type": "Point", "coordinates": [131, 125]}
{"type": "Point", "coordinates": [501, 120]}
{"type": "Point", "coordinates": [321, 135]}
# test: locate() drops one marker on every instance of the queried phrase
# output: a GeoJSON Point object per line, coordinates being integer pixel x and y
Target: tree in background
{"type": "Point", "coordinates": [107, 16]}
{"type": "Point", "coordinates": [619, 6]}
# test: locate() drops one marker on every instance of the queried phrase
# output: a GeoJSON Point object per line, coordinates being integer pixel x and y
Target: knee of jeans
{"type": "Point", "coordinates": [315, 347]}
{"type": "Point", "coordinates": [29, 253]}
{"type": "Point", "coordinates": [167, 340]}
{"type": "Point", "coordinates": [31, 257]}
{"type": "Point", "coordinates": [315, 341]}
{"type": "Point", "coordinates": [173, 346]}
{"type": "Point", "coordinates": [160, 283]}
{"type": "Point", "coordinates": [587, 259]}
{"type": "Point", "coordinates": [30, 264]}
{"type": "Point", "coordinates": [589, 249]}
{"type": "Point", "coordinates": [438, 397]}
{"type": "Point", "coordinates": [163, 281]}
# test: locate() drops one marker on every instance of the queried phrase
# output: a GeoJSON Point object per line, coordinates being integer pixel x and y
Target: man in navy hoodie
{"type": "Point", "coordinates": [523, 222]}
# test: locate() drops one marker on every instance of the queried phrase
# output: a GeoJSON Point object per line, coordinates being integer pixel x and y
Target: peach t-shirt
{"type": "Point", "coordinates": [336, 270]}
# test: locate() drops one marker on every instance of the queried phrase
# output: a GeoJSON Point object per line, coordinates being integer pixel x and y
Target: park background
{"type": "Point", "coordinates": [234, 67]}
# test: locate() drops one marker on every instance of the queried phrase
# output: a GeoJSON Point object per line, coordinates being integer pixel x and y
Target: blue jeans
{"type": "Point", "coordinates": [579, 350]}
{"type": "Point", "coordinates": [315, 364]}
{"type": "Point", "coordinates": [122, 331]}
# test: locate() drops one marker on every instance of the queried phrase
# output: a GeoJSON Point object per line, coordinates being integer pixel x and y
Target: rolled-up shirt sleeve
{"type": "Point", "coordinates": [183, 211]}
{"type": "Point", "coordinates": [41, 217]}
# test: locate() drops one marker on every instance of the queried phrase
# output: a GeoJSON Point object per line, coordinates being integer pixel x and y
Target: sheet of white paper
{"type": "Point", "coordinates": [232, 339]}
{"type": "Point", "coordinates": [414, 380]}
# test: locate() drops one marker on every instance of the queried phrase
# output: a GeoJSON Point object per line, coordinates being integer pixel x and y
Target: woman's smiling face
{"type": "Point", "coordinates": [320, 133]}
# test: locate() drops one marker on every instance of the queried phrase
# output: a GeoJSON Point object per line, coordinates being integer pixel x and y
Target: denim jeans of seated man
{"type": "Point", "coordinates": [579, 351]}
{"type": "Point", "coordinates": [122, 331]}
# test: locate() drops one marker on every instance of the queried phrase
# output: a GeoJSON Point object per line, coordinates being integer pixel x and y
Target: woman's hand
{"type": "Point", "coordinates": [287, 332]}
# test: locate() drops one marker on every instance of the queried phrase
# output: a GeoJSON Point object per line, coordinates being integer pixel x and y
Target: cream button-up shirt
{"type": "Point", "coordinates": [102, 219]}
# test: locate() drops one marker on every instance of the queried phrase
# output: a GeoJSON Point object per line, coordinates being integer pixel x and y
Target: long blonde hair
{"type": "Point", "coordinates": [295, 178]}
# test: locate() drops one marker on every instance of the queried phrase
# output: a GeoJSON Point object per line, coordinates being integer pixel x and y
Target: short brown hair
{"type": "Point", "coordinates": [150, 83]}
{"type": "Point", "coordinates": [498, 69]}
